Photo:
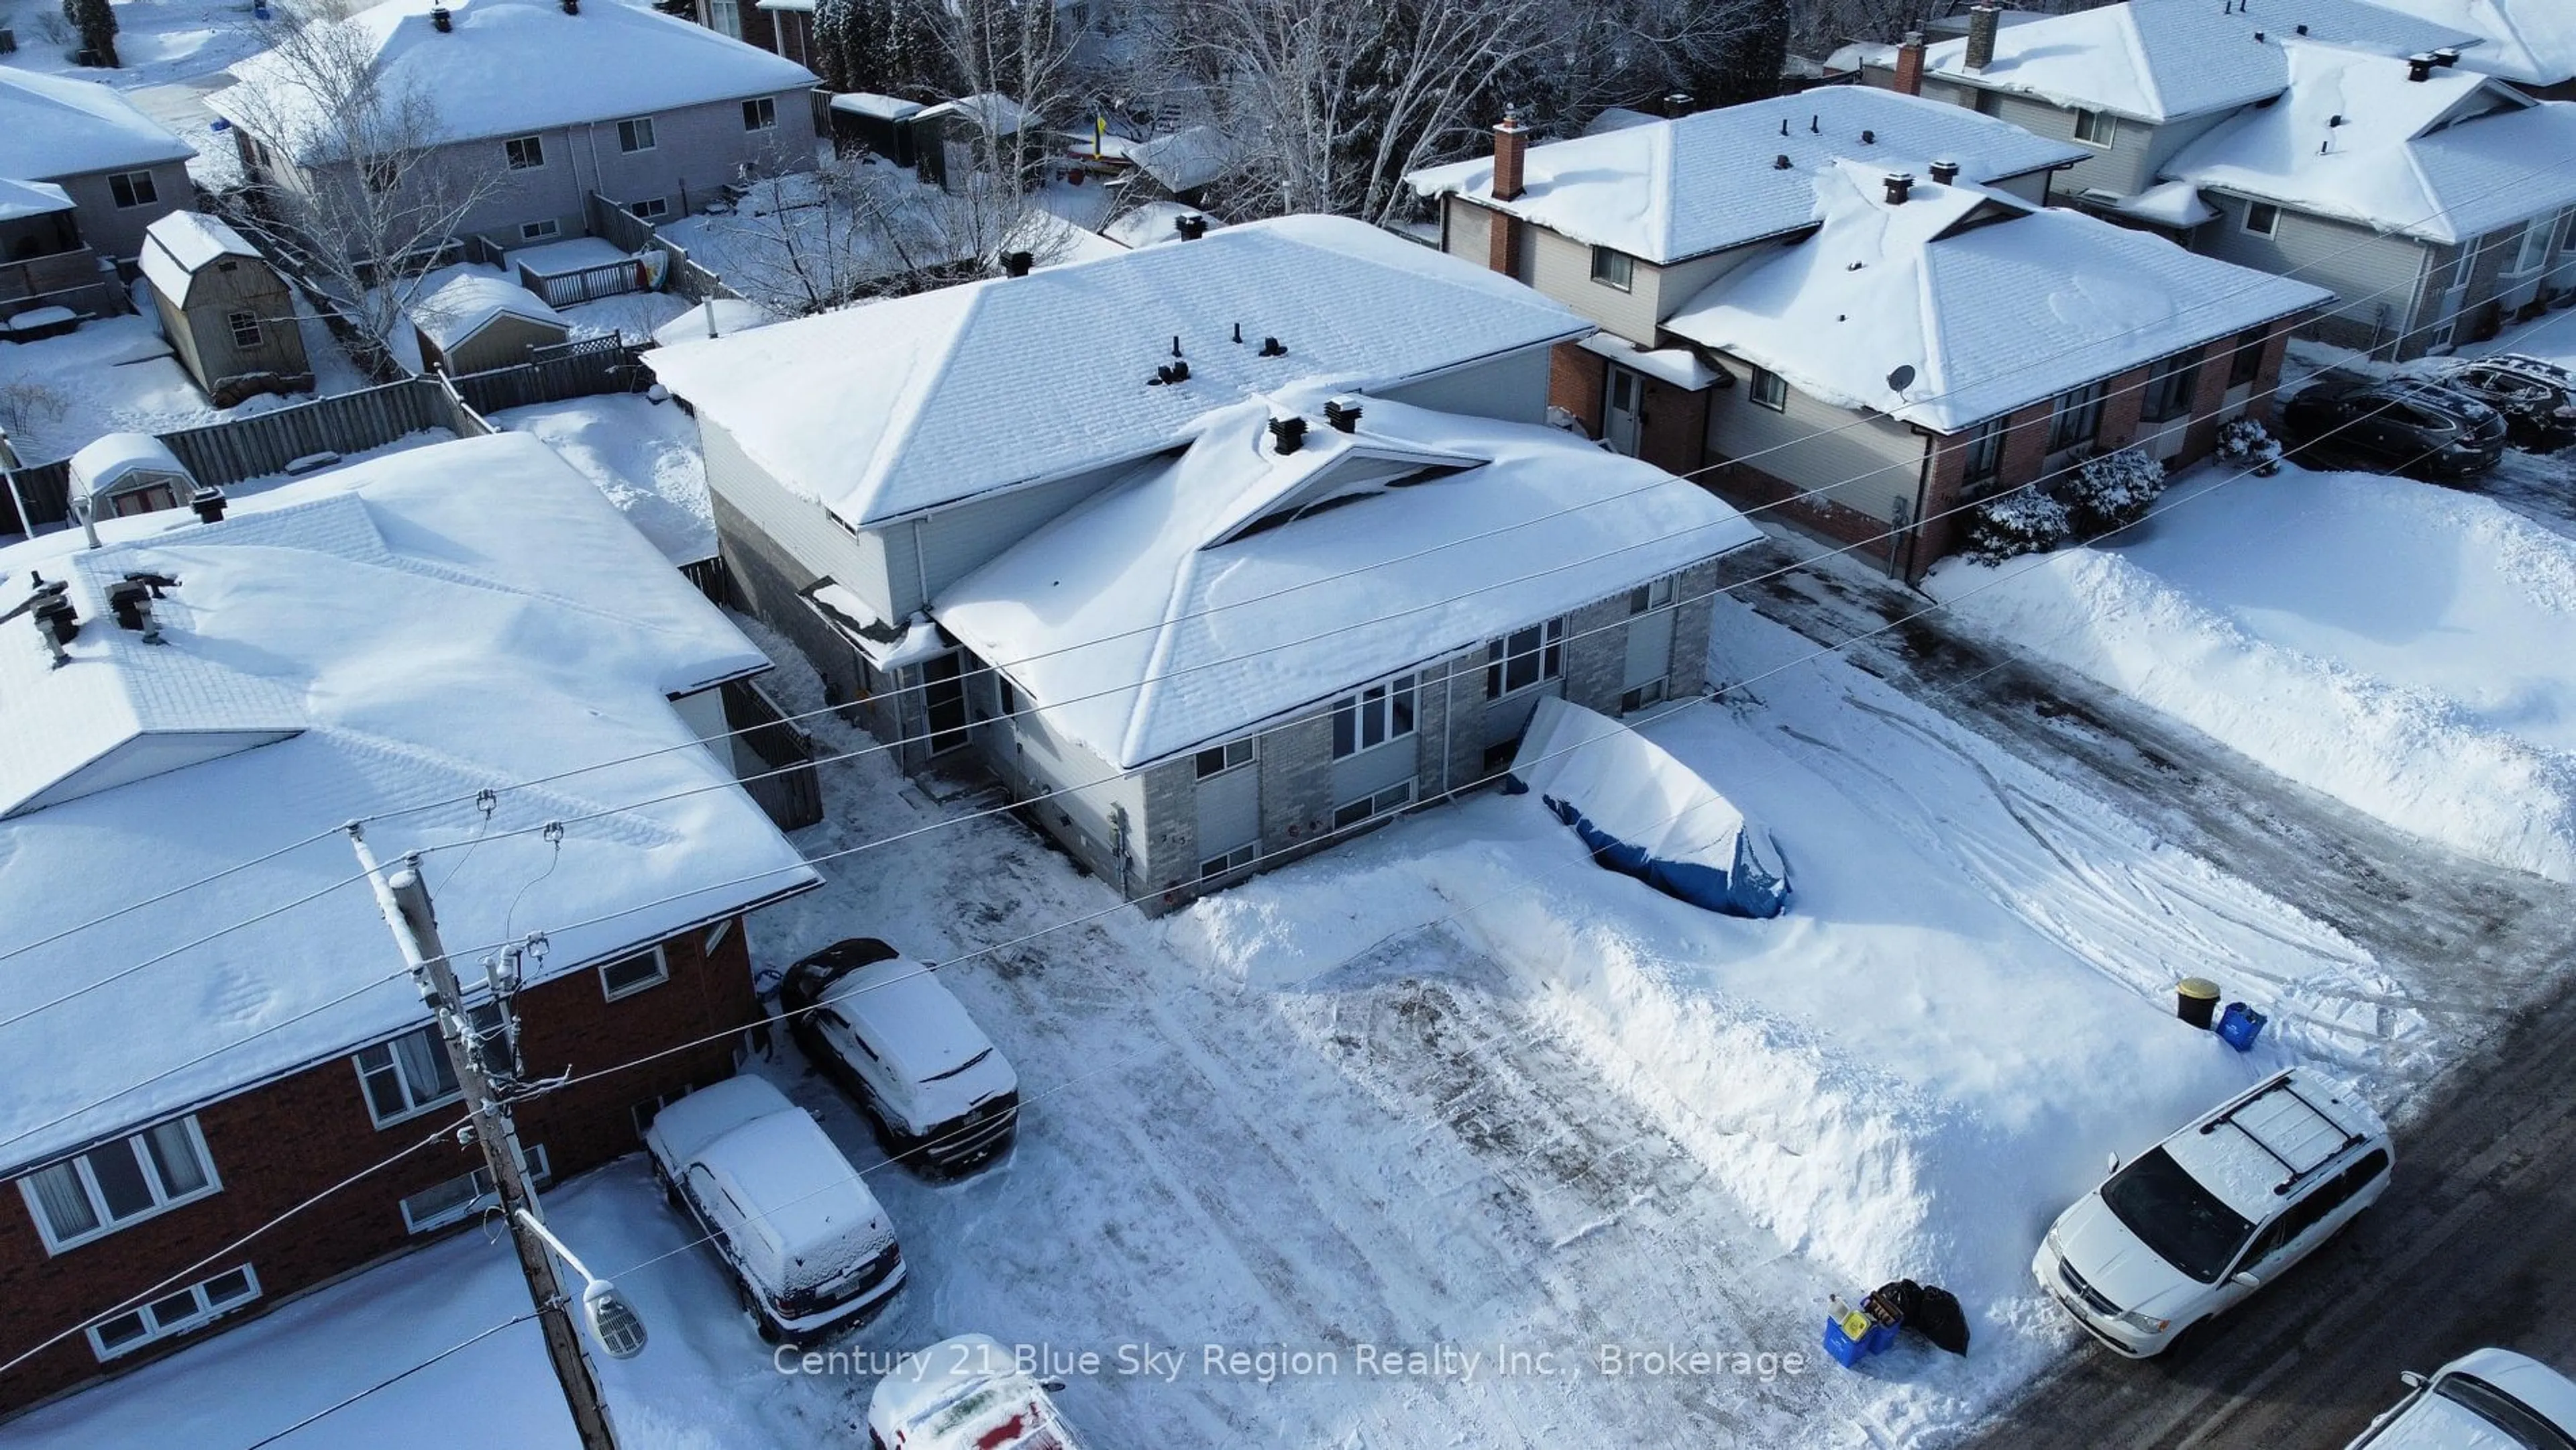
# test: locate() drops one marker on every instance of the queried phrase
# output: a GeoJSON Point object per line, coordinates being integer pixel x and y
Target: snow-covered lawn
{"type": "Point", "coordinates": [2407, 649]}
{"type": "Point", "coordinates": [159, 41]}
{"type": "Point", "coordinates": [118, 374]}
{"type": "Point", "coordinates": [635, 316]}
{"type": "Point", "coordinates": [642, 455]}
{"type": "Point", "coordinates": [1447, 1085]}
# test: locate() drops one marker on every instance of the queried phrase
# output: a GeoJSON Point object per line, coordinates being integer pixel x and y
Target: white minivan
{"type": "Point", "coordinates": [805, 1239]}
{"type": "Point", "coordinates": [2487, 1399]}
{"type": "Point", "coordinates": [2216, 1211]}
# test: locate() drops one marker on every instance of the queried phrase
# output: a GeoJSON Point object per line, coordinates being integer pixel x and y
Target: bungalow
{"type": "Point", "coordinates": [2531, 43]}
{"type": "Point", "coordinates": [2343, 142]}
{"type": "Point", "coordinates": [122, 169]}
{"type": "Point", "coordinates": [230, 315]}
{"type": "Point", "coordinates": [1817, 317]}
{"type": "Point", "coordinates": [1045, 455]}
{"type": "Point", "coordinates": [214, 1025]}
{"type": "Point", "coordinates": [548, 100]}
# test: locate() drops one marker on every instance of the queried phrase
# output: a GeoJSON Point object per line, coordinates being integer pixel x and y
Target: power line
{"type": "Point", "coordinates": [391, 1380]}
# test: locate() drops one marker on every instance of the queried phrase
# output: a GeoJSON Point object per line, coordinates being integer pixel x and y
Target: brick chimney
{"type": "Point", "coordinates": [1983, 18]}
{"type": "Point", "coordinates": [1909, 64]}
{"type": "Point", "coordinates": [1511, 147]}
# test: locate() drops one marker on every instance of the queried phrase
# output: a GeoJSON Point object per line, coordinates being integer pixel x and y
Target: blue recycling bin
{"type": "Point", "coordinates": [2239, 1025]}
{"type": "Point", "coordinates": [1846, 1350]}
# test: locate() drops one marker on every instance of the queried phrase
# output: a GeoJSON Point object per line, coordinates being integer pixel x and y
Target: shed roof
{"type": "Point", "coordinates": [457, 302]}
{"type": "Point", "coordinates": [178, 246]}
{"type": "Point", "coordinates": [54, 126]}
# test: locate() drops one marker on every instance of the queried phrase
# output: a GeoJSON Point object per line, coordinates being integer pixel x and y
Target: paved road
{"type": "Point", "coordinates": [2475, 1241]}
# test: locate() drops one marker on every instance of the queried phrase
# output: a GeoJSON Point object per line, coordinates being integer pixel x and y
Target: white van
{"type": "Point", "coordinates": [2487, 1399]}
{"type": "Point", "coordinates": [793, 1220]}
{"type": "Point", "coordinates": [2216, 1211]}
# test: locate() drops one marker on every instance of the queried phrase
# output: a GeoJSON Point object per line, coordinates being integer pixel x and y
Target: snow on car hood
{"type": "Point", "coordinates": [814, 1218]}
{"type": "Point", "coordinates": [944, 1062]}
{"type": "Point", "coordinates": [2119, 1266]}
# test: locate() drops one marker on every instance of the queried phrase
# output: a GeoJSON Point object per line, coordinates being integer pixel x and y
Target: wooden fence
{"type": "Point", "coordinates": [628, 232]}
{"type": "Point", "coordinates": [786, 784]}
{"type": "Point", "coordinates": [583, 369]}
{"type": "Point", "coordinates": [568, 289]}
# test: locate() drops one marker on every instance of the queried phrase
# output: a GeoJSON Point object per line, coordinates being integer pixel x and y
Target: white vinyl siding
{"type": "Point", "coordinates": [1512, 388]}
{"type": "Point", "coordinates": [1864, 462]}
{"type": "Point", "coordinates": [2374, 275]}
{"type": "Point", "coordinates": [1229, 805]}
{"type": "Point", "coordinates": [118, 1183]}
{"type": "Point", "coordinates": [1562, 268]}
{"type": "Point", "coordinates": [799, 527]}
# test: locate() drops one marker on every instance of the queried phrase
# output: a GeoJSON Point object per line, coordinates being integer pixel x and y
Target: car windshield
{"type": "Point", "coordinates": [961, 1067]}
{"type": "Point", "coordinates": [2510, 1416]}
{"type": "Point", "coordinates": [2174, 1215]}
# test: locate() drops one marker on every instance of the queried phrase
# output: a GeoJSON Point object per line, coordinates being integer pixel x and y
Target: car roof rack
{"type": "Point", "coordinates": [2346, 1140]}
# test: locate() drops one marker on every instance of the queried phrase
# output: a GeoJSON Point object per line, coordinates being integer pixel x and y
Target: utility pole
{"type": "Point", "coordinates": [404, 899]}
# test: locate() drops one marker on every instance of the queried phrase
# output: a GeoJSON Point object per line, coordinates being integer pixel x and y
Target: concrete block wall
{"type": "Point", "coordinates": [1296, 785]}
{"type": "Point", "coordinates": [1450, 715]}
{"type": "Point", "coordinates": [1170, 855]}
{"type": "Point", "coordinates": [1694, 613]}
{"type": "Point", "coordinates": [1596, 653]}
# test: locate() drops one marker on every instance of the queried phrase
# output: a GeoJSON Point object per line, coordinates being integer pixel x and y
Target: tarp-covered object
{"type": "Point", "coordinates": [1647, 815]}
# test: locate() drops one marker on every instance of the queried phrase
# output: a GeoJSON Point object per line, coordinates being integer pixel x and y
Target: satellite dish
{"type": "Point", "coordinates": [1901, 379]}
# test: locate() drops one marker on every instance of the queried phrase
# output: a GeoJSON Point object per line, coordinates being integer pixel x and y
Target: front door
{"type": "Point", "coordinates": [1623, 418]}
{"type": "Point", "coordinates": [943, 700]}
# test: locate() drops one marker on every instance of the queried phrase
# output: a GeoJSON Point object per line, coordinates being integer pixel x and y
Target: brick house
{"type": "Point", "coordinates": [394, 638]}
{"type": "Point", "coordinates": [891, 482]}
{"type": "Point", "coordinates": [1860, 336]}
{"type": "Point", "coordinates": [553, 100]}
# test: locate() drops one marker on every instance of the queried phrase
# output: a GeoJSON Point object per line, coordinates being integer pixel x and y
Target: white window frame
{"type": "Point", "coordinates": [2087, 404]}
{"type": "Point", "coordinates": [661, 974]}
{"type": "Point", "coordinates": [635, 134]}
{"type": "Point", "coordinates": [1614, 269]}
{"type": "Point", "coordinates": [1231, 756]}
{"type": "Point", "coordinates": [2254, 209]}
{"type": "Point", "coordinates": [760, 113]}
{"type": "Point", "coordinates": [532, 1162]}
{"type": "Point", "coordinates": [241, 322]}
{"type": "Point", "coordinates": [515, 152]}
{"type": "Point", "coordinates": [2528, 261]}
{"type": "Point", "coordinates": [1376, 704]}
{"type": "Point", "coordinates": [1653, 595]}
{"type": "Point", "coordinates": [2096, 128]}
{"type": "Point", "coordinates": [1983, 460]}
{"type": "Point", "coordinates": [163, 1200]}
{"type": "Point", "coordinates": [1502, 651]}
{"type": "Point", "coordinates": [724, 17]}
{"type": "Point", "coordinates": [716, 935]}
{"type": "Point", "coordinates": [137, 188]}
{"type": "Point", "coordinates": [539, 231]}
{"type": "Point", "coordinates": [206, 1310]}
{"type": "Point", "coordinates": [1767, 389]}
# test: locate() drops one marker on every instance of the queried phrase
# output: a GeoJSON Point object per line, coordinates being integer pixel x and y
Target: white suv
{"type": "Point", "coordinates": [2216, 1211]}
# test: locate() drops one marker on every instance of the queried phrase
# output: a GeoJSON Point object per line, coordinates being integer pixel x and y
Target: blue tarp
{"type": "Point", "coordinates": [1647, 815]}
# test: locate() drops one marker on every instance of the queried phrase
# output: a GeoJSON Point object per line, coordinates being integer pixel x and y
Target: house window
{"type": "Point", "coordinates": [132, 188]}
{"type": "Point", "coordinates": [2077, 418]}
{"type": "Point", "coordinates": [633, 974]}
{"type": "Point", "coordinates": [760, 115]}
{"type": "Point", "coordinates": [1985, 461]}
{"type": "Point", "coordinates": [2096, 128]}
{"type": "Point", "coordinates": [1647, 597]}
{"type": "Point", "coordinates": [118, 1183]}
{"type": "Point", "coordinates": [2170, 388]}
{"type": "Point", "coordinates": [466, 1194]}
{"type": "Point", "coordinates": [525, 153]}
{"type": "Point", "coordinates": [635, 135]}
{"type": "Point", "coordinates": [653, 210]}
{"type": "Point", "coordinates": [409, 1075]}
{"type": "Point", "coordinates": [1523, 658]}
{"type": "Point", "coordinates": [1351, 813]}
{"type": "Point", "coordinates": [173, 1313]}
{"type": "Point", "coordinates": [1240, 858]}
{"type": "Point", "coordinates": [1641, 696]}
{"type": "Point", "coordinates": [715, 937]}
{"type": "Point", "coordinates": [2262, 218]}
{"type": "Point", "coordinates": [1233, 755]}
{"type": "Point", "coordinates": [1613, 268]}
{"type": "Point", "coordinates": [2535, 248]}
{"type": "Point", "coordinates": [1373, 717]}
{"type": "Point", "coordinates": [1768, 390]}
{"type": "Point", "coordinates": [724, 17]}
{"type": "Point", "coordinates": [2247, 361]}
{"type": "Point", "coordinates": [245, 327]}
{"type": "Point", "coordinates": [539, 231]}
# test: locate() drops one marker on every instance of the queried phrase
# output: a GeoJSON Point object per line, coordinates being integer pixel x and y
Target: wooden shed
{"type": "Point", "coordinates": [128, 473]}
{"type": "Point", "coordinates": [882, 125]}
{"type": "Point", "coordinates": [473, 319]}
{"type": "Point", "coordinates": [227, 312]}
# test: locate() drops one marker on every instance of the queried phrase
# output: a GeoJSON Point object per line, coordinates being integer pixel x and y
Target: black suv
{"type": "Point", "coordinates": [2538, 413]}
{"type": "Point", "coordinates": [2395, 425]}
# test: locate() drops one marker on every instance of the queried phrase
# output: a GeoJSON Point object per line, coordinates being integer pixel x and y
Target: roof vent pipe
{"type": "Point", "coordinates": [2419, 67]}
{"type": "Point", "coordinates": [2302, 27]}
{"type": "Point", "coordinates": [1191, 225]}
{"type": "Point", "coordinates": [1287, 435]}
{"type": "Point", "coordinates": [1780, 162]}
{"type": "Point", "coordinates": [1343, 414]}
{"type": "Point", "coordinates": [1899, 184]}
{"type": "Point", "coordinates": [208, 501]}
{"type": "Point", "coordinates": [1983, 20]}
{"type": "Point", "coordinates": [441, 19]}
{"type": "Point", "coordinates": [2259, 37]}
{"type": "Point", "coordinates": [1677, 104]}
{"type": "Point", "coordinates": [572, 7]}
{"type": "Point", "coordinates": [1017, 264]}
{"type": "Point", "coordinates": [1945, 173]}
{"type": "Point", "coordinates": [1869, 138]}
{"type": "Point", "coordinates": [1273, 347]}
{"type": "Point", "coordinates": [2446, 57]}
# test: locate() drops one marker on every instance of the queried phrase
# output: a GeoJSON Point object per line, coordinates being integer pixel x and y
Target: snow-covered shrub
{"type": "Point", "coordinates": [2243, 441]}
{"type": "Point", "coordinates": [2111, 492]}
{"type": "Point", "coordinates": [2024, 521]}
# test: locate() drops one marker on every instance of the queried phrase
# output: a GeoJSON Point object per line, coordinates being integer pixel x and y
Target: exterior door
{"type": "Point", "coordinates": [1229, 807]}
{"type": "Point", "coordinates": [1650, 649]}
{"type": "Point", "coordinates": [1623, 415]}
{"type": "Point", "coordinates": [943, 701]}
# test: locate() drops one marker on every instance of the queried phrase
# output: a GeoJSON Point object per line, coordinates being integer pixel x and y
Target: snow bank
{"type": "Point", "coordinates": [2409, 650]}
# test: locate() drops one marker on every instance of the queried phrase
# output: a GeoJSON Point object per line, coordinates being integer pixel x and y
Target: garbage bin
{"type": "Point", "coordinates": [2196, 1000]}
{"type": "Point", "coordinates": [2240, 1026]}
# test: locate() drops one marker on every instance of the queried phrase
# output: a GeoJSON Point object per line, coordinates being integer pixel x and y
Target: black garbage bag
{"type": "Point", "coordinates": [1894, 1302]}
{"type": "Point", "coordinates": [1939, 1319]}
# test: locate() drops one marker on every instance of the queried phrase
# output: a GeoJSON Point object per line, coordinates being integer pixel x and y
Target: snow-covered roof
{"type": "Point", "coordinates": [2447, 158]}
{"type": "Point", "coordinates": [53, 126]}
{"type": "Point", "coordinates": [177, 246]}
{"type": "Point", "coordinates": [1678, 366]}
{"type": "Point", "coordinates": [811, 1216]}
{"type": "Point", "coordinates": [1670, 190]}
{"type": "Point", "coordinates": [2167, 204]}
{"type": "Point", "coordinates": [31, 198]}
{"type": "Point", "coordinates": [996, 113]}
{"type": "Point", "coordinates": [2532, 41]}
{"type": "Point", "coordinates": [1152, 223]}
{"type": "Point", "coordinates": [2307, 1124]}
{"type": "Point", "coordinates": [1187, 158]}
{"type": "Point", "coordinates": [1961, 304]}
{"type": "Point", "coordinates": [729, 315]}
{"type": "Point", "coordinates": [400, 632]}
{"type": "Point", "coordinates": [903, 405]}
{"type": "Point", "coordinates": [112, 456]}
{"type": "Point", "coordinates": [514, 66]}
{"type": "Point", "coordinates": [1206, 594]}
{"type": "Point", "coordinates": [457, 302]}
{"type": "Point", "coordinates": [882, 108]}
{"type": "Point", "coordinates": [2162, 60]}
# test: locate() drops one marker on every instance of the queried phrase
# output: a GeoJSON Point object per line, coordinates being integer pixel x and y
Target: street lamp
{"type": "Point", "coordinates": [613, 1321]}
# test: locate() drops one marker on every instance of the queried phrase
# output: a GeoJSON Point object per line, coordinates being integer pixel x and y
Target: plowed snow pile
{"type": "Point", "coordinates": [2407, 649]}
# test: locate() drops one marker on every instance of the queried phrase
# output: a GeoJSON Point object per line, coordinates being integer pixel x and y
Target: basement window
{"type": "Point", "coordinates": [651, 211]}
{"type": "Point", "coordinates": [2262, 218]}
{"type": "Point", "coordinates": [175, 1313]}
{"type": "Point", "coordinates": [467, 1194]}
{"type": "Point", "coordinates": [539, 231]}
{"type": "Point", "coordinates": [1613, 268]}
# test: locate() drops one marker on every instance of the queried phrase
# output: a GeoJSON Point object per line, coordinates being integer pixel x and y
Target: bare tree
{"type": "Point", "coordinates": [349, 174]}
